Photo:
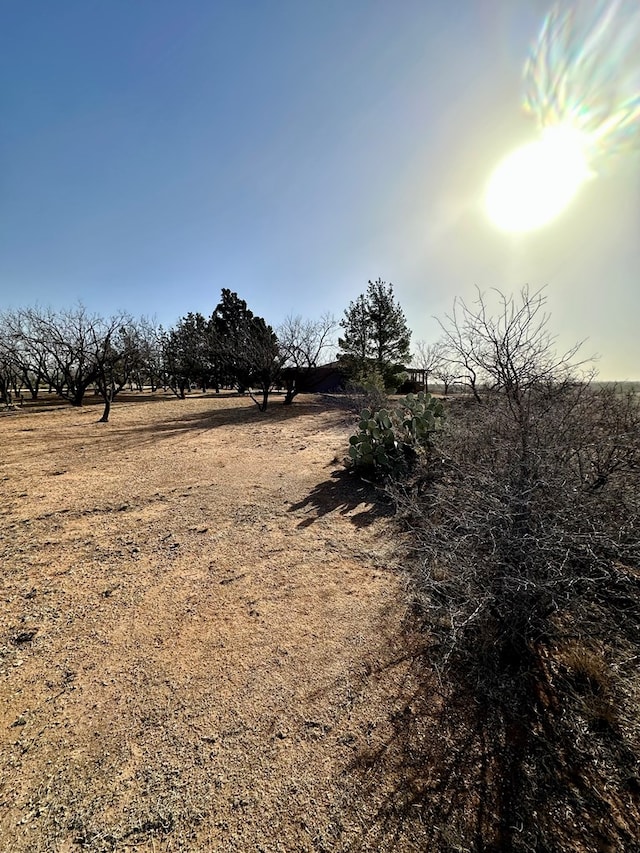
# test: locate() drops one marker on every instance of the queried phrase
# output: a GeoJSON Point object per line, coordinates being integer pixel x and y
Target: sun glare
{"type": "Point", "coordinates": [535, 183]}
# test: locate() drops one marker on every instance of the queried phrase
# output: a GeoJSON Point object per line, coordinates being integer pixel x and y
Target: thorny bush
{"type": "Point", "coordinates": [523, 528]}
{"type": "Point", "coordinates": [525, 539]}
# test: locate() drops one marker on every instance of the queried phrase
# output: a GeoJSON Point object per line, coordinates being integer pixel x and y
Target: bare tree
{"type": "Point", "coordinates": [58, 347]}
{"type": "Point", "coordinates": [524, 527]}
{"type": "Point", "coordinates": [71, 350]}
{"type": "Point", "coordinates": [23, 349]}
{"type": "Point", "coordinates": [9, 376]}
{"type": "Point", "coordinates": [462, 342]}
{"type": "Point", "coordinates": [147, 371]}
{"type": "Point", "coordinates": [303, 343]}
{"type": "Point", "coordinates": [446, 372]}
{"type": "Point", "coordinates": [511, 349]}
{"type": "Point", "coordinates": [427, 358]}
{"type": "Point", "coordinates": [116, 348]}
{"type": "Point", "coordinates": [535, 407]}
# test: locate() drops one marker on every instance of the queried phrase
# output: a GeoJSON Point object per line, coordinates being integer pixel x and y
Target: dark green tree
{"type": "Point", "coordinates": [180, 356]}
{"type": "Point", "coordinates": [264, 360]}
{"type": "Point", "coordinates": [232, 320]}
{"type": "Point", "coordinates": [192, 354]}
{"type": "Point", "coordinates": [248, 346]}
{"type": "Point", "coordinates": [376, 337]}
{"type": "Point", "coordinates": [356, 342]}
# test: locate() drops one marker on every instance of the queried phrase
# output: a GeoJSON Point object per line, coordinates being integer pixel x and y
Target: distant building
{"type": "Point", "coordinates": [323, 379]}
{"type": "Point", "coordinates": [416, 380]}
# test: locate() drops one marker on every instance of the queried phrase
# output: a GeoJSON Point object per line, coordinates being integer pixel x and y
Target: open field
{"type": "Point", "coordinates": [199, 635]}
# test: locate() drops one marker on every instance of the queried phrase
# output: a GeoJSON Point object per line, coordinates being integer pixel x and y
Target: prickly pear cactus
{"type": "Point", "coordinates": [374, 446]}
{"type": "Point", "coordinates": [421, 415]}
{"type": "Point", "coordinates": [384, 438]}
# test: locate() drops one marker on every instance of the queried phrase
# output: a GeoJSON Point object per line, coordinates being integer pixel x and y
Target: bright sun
{"type": "Point", "coordinates": [535, 183]}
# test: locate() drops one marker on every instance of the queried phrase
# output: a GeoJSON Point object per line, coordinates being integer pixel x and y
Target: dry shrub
{"type": "Point", "coordinates": [525, 547]}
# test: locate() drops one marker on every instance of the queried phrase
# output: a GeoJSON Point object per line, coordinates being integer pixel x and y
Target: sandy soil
{"type": "Point", "coordinates": [198, 635]}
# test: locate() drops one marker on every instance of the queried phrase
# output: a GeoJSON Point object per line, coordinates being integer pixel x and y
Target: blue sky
{"type": "Point", "coordinates": [155, 151]}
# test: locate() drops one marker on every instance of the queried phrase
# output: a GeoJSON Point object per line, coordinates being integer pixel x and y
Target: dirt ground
{"type": "Point", "coordinates": [199, 634]}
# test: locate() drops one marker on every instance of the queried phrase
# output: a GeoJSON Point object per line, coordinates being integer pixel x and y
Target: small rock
{"type": "Point", "coordinates": [24, 636]}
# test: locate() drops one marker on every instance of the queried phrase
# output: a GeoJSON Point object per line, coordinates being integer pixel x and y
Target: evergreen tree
{"type": "Point", "coordinates": [248, 346]}
{"type": "Point", "coordinates": [187, 354]}
{"type": "Point", "coordinates": [233, 320]}
{"type": "Point", "coordinates": [356, 342]}
{"type": "Point", "coordinates": [390, 336]}
{"type": "Point", "coordinates": [376, 336]}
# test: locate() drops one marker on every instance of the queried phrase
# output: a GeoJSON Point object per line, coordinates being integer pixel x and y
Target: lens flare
{"type": "Point", "coordinates": [536, 182]}
{"type": "Point", "coordinates": [582, 88]}
{"type": "Point", "coordinates": [584, 73]}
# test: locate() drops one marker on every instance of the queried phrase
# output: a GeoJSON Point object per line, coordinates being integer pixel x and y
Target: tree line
{"type": "Point", "coordinates": [72, 351]}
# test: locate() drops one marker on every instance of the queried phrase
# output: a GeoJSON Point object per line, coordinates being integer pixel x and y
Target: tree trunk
{"type": "Point", "coordinates": [289, 395]}
{"type": "Point", "coordinates": [263, 403]}
{"type": "Point", "coordinates": [108, 397]}
{"type": "Point", "coordinates": [107, 408]}
{"type": "Point", "coordinates": [80, 390]}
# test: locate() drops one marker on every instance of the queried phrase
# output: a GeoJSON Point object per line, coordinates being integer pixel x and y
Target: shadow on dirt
{"type": "Point", "coordinates": [219, 415]}
{"type": "Point", "coordinates": [344, 493]}
{"type": "Point", "coordinates": [455, 773]}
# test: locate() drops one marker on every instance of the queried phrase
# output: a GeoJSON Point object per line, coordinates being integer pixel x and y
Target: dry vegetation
{"type": "Point", "coordinates": [528, 583]}
{"type": "Point", "coordinates": [206, 645]}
